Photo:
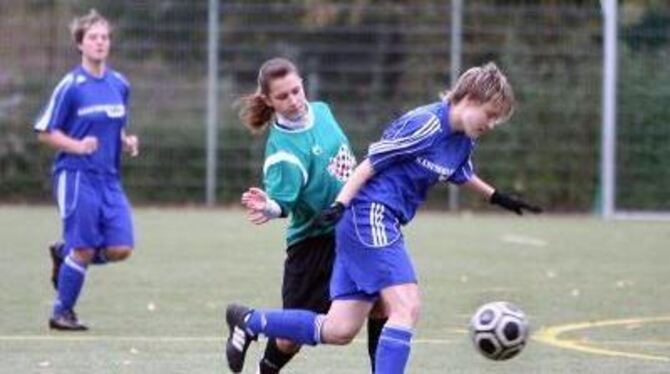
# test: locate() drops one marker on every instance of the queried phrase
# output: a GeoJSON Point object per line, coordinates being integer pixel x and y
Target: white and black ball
{"type": "Point", "coordinates": [499, 330]}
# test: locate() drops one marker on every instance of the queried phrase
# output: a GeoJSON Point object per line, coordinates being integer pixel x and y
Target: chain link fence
{"type": "Point", "coordinates": [371, 61]}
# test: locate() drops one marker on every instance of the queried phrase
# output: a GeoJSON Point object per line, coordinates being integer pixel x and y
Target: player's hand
{"type": "Point", "coordinates": [257, 217]}
{"type": "Point", "coordinates": [255, 200]}
{"type": "Point", "coordinates": [513, 203]}
{"type": "Point", "coordinates": [87, 146]}
{"type": "Point", "coordinates": [329, 216]}
{"type": "Point", "coordinates": [131, 144]}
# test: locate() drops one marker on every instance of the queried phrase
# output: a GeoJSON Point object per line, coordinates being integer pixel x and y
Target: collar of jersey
{"type": "Point", "coordinates": [91, 76]}
{"type": "Point", "coordinates": [293, 127]}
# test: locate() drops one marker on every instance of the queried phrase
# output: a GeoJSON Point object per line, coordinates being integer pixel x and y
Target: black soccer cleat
{"type": "Point", "coordinates": [239, 337]}
{"type": "Point", "coordinates": [67, 322]}
{"type": "Point", "coordinates": [56, 262]}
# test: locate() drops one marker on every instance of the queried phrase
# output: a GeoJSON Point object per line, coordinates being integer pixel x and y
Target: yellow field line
{"type": "Point", "coordinates": [551, 336]}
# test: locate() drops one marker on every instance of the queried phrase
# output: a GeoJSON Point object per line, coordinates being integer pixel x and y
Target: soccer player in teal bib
{"type": "Point", "coordinates": [85, 122]}
{"type": "Point", "coordinates": [427, 145]}
{"type": "Point", "coordinates": [307, 161]}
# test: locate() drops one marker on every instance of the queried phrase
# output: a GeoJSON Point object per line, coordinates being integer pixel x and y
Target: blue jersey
{"type": "Point", "coordinates": [416, 151]}
{"type": "Point", "coordinates": [83, 105]}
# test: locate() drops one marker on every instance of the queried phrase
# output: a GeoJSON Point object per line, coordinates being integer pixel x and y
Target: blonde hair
{"type": "Point", "coordinates": [253, 110]}
{"type": "Point", "coordinates": [80, 25]}
{"type": "Point", "coordinates": [484, 84]}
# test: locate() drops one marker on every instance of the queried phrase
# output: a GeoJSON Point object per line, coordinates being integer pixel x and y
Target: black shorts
{"type": "Point", "coordinates": [307, 271]}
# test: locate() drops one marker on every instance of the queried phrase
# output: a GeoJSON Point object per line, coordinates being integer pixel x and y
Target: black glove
{"type": "Point", "coordinates": [513, 203]}
{"type": "Point", "coordinates": [329, 216]}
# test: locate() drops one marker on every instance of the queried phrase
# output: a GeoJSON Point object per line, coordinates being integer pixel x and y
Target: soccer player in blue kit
{"type": "Point", "coordinates": [429, 144]}
{"type": "Point", "coordinates": [85, 122]}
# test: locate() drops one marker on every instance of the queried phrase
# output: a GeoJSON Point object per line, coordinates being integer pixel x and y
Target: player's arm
{"type": "Point", "coordinates": [49, 125]}
{"type": "Point", "coordinates": [509, 202]}
{"type": "Point", "coordinates": [359, 177]}
{"type": "Point", "coordinates": [260, 207]}
{"type": "Point", "coordinates": [131, 143]}
{"type": "Point", "coordinates": [61, 142]}
{"type": "Point", "coordinates": [283, 176]}
{"type": "Point", "coordinates": [334, 212]}
{"type": "Point", "coordinates": [404, 139]}
{"type": "Point", "coordinates": [479, 187]}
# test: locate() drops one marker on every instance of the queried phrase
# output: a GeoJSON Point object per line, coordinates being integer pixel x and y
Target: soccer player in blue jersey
{"type": "Point", "coordinates": [307, 161]}
{"type": "Point", "coordinates": [85, 121]}
{"type": "Point", "coordinates": [429, 144]}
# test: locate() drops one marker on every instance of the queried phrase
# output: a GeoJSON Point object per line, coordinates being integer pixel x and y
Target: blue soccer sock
{"type": "Point", "coordinates": [299, 326]}
{"type": "Point", "coordinates": [393, 350]}
{"type": "Point", "coordinates": [70, 282]}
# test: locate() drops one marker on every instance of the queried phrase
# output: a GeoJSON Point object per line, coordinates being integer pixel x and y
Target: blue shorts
{"type": "Point", "coordinates": [370, 254]}
{"type": "Point", "coordinates": [94, 209]}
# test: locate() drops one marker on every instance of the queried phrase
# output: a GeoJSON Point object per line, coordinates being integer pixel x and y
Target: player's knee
{"type": "Point", "coordinates": [341, 337]}
{"type": "Point", "coordinates": [287, 346]}
{"type": "Point", "coordinates": [342, 334]}
{"type": "Point", "coordinates": [407, 313]}
{"type": "Point", "coordinates": [119, 254]}
{"type": "Point", "coordinates": [84, 255]}
{"type": "Point", "coordinates": [415, 312]}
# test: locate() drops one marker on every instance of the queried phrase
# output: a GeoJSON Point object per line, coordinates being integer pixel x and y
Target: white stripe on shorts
{"type": "Point", "coordinates": [377, 225]}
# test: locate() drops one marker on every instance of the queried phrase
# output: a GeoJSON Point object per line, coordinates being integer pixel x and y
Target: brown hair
{"type": "Point", "coordinates": [484, 84]}
{"type": "Point", "coordinates": [253, 111]}
{"type": "Point", "coordinates": [80, 25]}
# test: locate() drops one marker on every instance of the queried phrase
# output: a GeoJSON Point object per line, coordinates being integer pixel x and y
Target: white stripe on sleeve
{"type": "Point", "coordinates": [429, 128]}
{"type": "Point", "coordinates": [282, 156]}
{"type": "Point", "coordinates": [43, 122]}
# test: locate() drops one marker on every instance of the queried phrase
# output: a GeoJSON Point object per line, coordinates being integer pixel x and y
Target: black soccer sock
{"type": "Point", "coordinates": [273, 358]}
{"type": "Point", "coordinates": [375, 326]}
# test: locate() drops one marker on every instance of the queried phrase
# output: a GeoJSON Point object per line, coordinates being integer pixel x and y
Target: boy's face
{"type": "Point", "coordinates": [95, 44]}
{"type": "Point", "coordinates": [478, 118]}
{"type": "Point", "coordinates": [287, 96]}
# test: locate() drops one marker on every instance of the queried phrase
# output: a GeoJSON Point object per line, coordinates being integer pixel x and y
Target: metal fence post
{"type": "Point", "coordinates": [608, 146]}
{"type": "Point", "coordinates": [456, 61]}
{"type": "Point", "coordinates": [212, 100]}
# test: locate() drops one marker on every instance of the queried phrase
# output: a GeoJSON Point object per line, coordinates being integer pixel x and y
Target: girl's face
{"type": "Point", "coordinates": [95, 44]}
{"type": "Point", "coordinates": [287, 96]}
{"type": "Point", "coordinates": [477, 119]}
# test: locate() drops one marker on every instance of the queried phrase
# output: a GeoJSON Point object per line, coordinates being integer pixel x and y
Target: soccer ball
{"type": "Point", "coordinates": [499, 330]}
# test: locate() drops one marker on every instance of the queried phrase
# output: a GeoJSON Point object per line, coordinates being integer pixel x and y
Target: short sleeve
{"type": "Point", "coordinates": [404, 139]}
{"type": "Point", "coordinates": [59, 107]}
{"type": "Point", "coordinates": [283, 178]}
{"type": "Point", "coordinates": [464, 173]}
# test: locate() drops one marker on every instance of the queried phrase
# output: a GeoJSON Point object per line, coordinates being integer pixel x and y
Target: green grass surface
{"type": "Point", "coordinates": [161, 311]}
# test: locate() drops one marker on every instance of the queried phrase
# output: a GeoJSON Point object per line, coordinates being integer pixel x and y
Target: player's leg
{"type": "Point", "coordinates": [71, 279]}
{"type": "Point", "coordinates": [339, 326]}
{"type": "Point", "coordinates": [117, 226]}
{"type": "Point", "coordinates": [115, 254]}
{"type": "Point", "coordinates": [403, 303]}
{"type": "Point", "coordinates": [278, 352]}
{"type": "Point", "coordinates": [307, 271]}
{"type": "Point", "coordinates": [376, 321]}
{"type": "Point", "coordinates": [57, 252]}
{"type": "Point", "coordinates": [64, 189]}
{"type": "Point", "coordinates": [372, 247]}
{"type": "Point", "coordinates": [78, 203]}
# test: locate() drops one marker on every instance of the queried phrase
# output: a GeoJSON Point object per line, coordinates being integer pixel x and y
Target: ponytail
{"type": "Point", "coordinates": [254, 112]}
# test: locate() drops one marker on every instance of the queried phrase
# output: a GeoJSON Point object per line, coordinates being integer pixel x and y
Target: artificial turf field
{"type": "Point", "coordinates": [597, 294]}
